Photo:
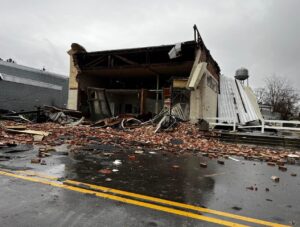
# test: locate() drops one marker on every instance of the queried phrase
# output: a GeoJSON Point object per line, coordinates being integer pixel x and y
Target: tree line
{"type": "Point", "coordinates": [281, 96]}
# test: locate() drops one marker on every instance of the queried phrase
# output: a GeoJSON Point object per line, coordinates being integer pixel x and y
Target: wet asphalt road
{"type": "Point", "coordinates": [29, 204]}
{"type": "Point", "coordinates": [159, 174]}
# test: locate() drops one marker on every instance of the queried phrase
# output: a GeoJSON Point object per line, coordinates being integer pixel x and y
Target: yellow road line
{"type": "Point", "coordinates": [162, 201]}
{"type": "Point", "coordinates": [177, 204]}
{"type": "Point", "coordinates": [33, 173]}
{"type": "Point", "coordinates": [125, 200]}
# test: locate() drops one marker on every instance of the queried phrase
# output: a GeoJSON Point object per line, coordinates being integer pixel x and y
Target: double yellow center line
{"type": "Point", "coordinates": [139, 200]}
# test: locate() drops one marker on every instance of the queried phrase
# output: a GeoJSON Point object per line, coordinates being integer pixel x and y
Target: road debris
{"type": "Point", "coordinates": [107, 122]}
{"type": "Point", "coordinates": [236, 208]}
{"type": "Point", "coordinates": [175, 166]}
{"type": "Point", "coordinates": [221, 162]}
{"type": "Point", "coordinates": [38, 138]}
{"type": "Point", "coordinates": [11, 129]}
{"type": "Point", "coordinates": [214, 174]}
{"type": "Point", "coordinates": [282, 168]}
{"type": "Point", "coordinates": [275, 178]}
{"type": "Point", "coordinates": [35, 160]}
{"type": "Point", "coordinates": [131, 157]}
{"type": "Point", "coordinates": [203, 165]}
{"type": "Point", "coordinates": [117, 162]}
{"type": "Point", "coordinates": [16, 127]}
{"type": "Point", "coordinates": [294, 156]}
{"type": "Point", "coordinates": [185, 137]}
{"type": "Point", "coordinates": [105, 171]}
{"type": "Point", "coordinates": [63, 116]}
{"type": "Point", "coordinates": [281, 162]}
{"type": "Point", "coordinates": [129, 123]}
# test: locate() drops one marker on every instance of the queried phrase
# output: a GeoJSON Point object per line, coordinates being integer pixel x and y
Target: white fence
{"type": "Point", "coordinates": [265, 124]}
{"type": "Point", "coordinates": [278, 124]}
{"type": "Point", "coordinates": [224, 122]}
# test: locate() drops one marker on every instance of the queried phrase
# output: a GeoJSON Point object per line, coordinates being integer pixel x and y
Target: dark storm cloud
{"type": "Point", "coordinates": [260, 35]}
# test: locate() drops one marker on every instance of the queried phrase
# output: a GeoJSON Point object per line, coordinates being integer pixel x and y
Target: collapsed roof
{"type": "Point", "coordinates": [143, 61]}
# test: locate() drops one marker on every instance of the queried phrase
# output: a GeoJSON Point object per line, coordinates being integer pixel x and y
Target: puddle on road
{"type": "Point", "coordinates": [154, 173]}
{"type": "Point", "coordinates": [161, 174]}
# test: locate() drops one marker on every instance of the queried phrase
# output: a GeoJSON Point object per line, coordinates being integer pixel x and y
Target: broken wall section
{"type": "Point", "coordinates": [74, 71]}
{"type": "Point", "coordinates": [204, 85]}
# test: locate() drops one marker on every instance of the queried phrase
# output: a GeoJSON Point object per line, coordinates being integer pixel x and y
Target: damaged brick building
{"type": "Point", "coordinates": [141, 81]}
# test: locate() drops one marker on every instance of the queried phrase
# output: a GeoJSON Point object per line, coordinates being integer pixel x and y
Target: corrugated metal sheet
{"type": "Point", "coordinates": [253, 100]}
{"type": "Point", "coordinates": [234, 104]}
{"type": "Point", "coordinates": [226, 107]}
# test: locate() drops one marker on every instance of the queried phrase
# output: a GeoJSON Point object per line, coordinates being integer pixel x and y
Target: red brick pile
{"type": "Point", "coordinates": [184, 138]}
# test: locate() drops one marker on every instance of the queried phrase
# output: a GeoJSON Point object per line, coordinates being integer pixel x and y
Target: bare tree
{"type": "Point", "coordinates": [280, 95]}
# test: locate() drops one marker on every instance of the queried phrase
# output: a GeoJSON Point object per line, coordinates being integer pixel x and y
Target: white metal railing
{"type": "Point", "coordinates": [265, 124]}
{"type": "Point", "coordinates": [278, 124]}
{"type": "Point", "coordinates": [225, 122]}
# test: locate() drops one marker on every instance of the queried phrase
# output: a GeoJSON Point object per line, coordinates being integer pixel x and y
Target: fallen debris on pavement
{"type": "Point", "coordinates": [45, 114]}
{"type": "Point", "coordinates": [185, 137]}
{"type": "Point", "coordinates": [22, 130]}
{"type": "Point", "coordinates": [203, 165]}
{"type": "Point", "coordinates": [275, 178]}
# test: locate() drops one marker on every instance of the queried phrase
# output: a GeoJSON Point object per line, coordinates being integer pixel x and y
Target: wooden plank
{"type": "Point", "coordinates": [31, 132]}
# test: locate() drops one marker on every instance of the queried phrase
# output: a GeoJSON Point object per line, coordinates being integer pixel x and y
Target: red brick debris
{"type": "Point", "coordinates": [184, 138]}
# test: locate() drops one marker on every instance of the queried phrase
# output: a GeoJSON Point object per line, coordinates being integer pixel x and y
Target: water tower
{"type": "Point", "coordinates": [242, 74]}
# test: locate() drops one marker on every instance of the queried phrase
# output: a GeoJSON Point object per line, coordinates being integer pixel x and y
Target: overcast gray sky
{"type": "Point", "coordinates": [261, 35]}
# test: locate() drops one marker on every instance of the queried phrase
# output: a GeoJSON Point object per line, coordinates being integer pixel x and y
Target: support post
{"type": "Point", "coordinates": [234, 125]}
{"type": "Point", "coordinates": [157, 95]}
{"type": "Point", "coordinates": [142, 101]}
{"type": "Point", "coordinates": [171, 98]}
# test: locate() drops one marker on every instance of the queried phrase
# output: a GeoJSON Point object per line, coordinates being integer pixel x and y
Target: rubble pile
{"type": "Point", "coordinates": [185, 137]}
